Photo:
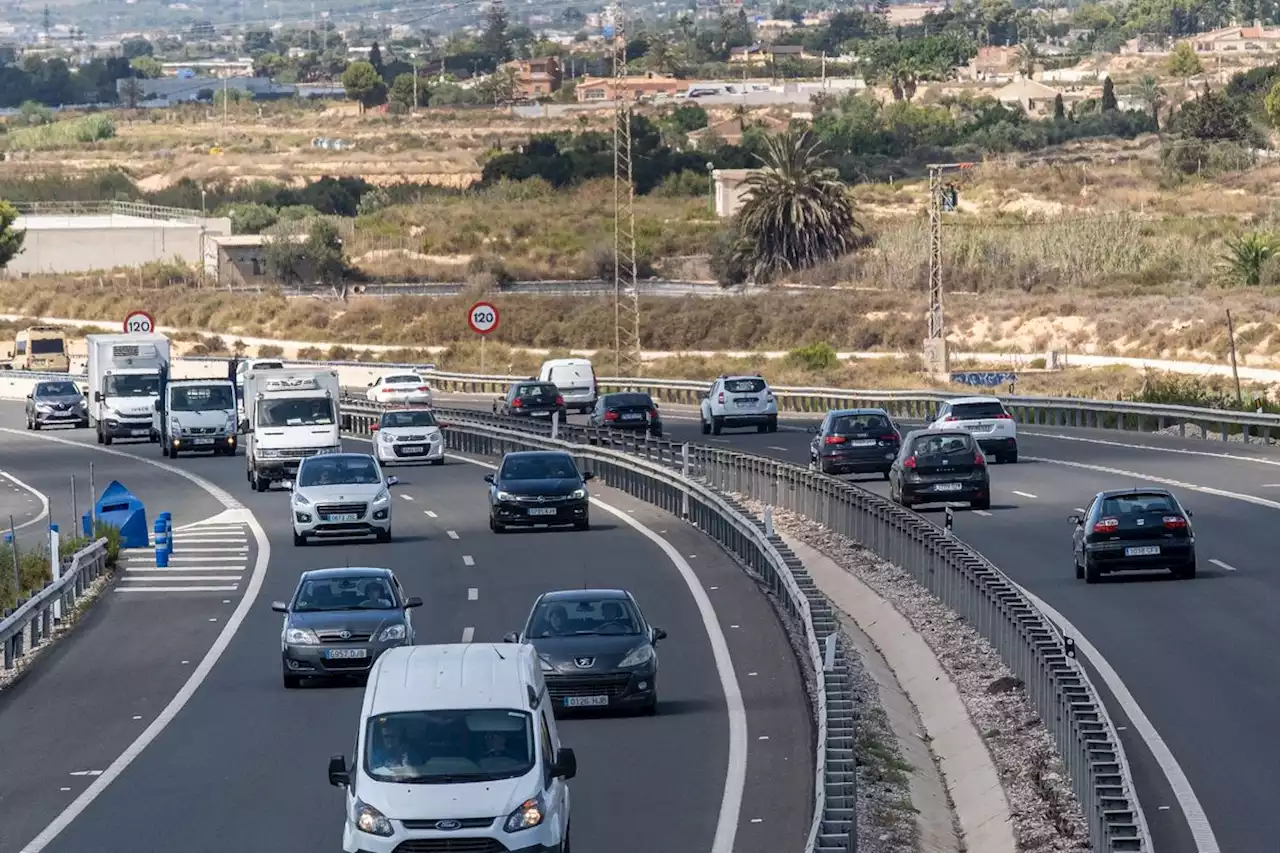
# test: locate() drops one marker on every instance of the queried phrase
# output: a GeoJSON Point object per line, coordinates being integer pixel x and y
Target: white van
{"type": "Point", "coordinates": [576, 379]}
{"type": "Point", "coordinates": [477, 715]}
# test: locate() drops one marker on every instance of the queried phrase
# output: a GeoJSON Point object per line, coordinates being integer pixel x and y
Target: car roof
{"type": "Point", "coordinates": [413, 410]}
{"type": "Point", "coordinates": [919, 433]}
{"type": "Point", "coordinates": [534, 454]}
{"type": "Point", "coordinates": [557, 362]}
{"type": "Point", "coordinates": [729, 377]}
{"type": "Point", "coordinates": [338, 456]}
{"type": "Point", "coordinates": [414, 373]}
{"type": "Point", "coordinates": [986, 399]}
{"type": "Point", "coordinates": [346, 572]}
{"type": "Point", "coordinates": [584, 595]}
{"type": "Point", "coordinates": [1114, 493]}
{"type": "Point", "coordinates": [836, 413]}
{"type": "Point", "coordinates": [447, 677]}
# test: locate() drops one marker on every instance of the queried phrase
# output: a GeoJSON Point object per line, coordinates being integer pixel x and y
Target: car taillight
{"type": "Point", "coordinates": [909, 462]}
{"type": "Point", "coordinates": [1175, 522]}
{"type": "Point", "coordinates": [388, 390]}
{"type": "Point", "coordinates": [893, 437]}
{"type": "Point", "coordinates": [1004, 416]}
{"type": "Point", "coordinates": [721, 398]}
{"type": "Point", "coordinates": [559, 400]}
{"type": "Point", "coordinates": [653, 413]}
{"type": "Point", "coordinates": [424, 388]}
{"type": "Point", "coordinates": [978, 458]}
{"type": "Point", "coordinates": [835, 439]}
{"type": "Point", "coordinates": [951, 418]}
{"type": "Point", "coordinates": [517, 403]}
{"type": "Point", "coordinates": [610, 416]}
{"type": "Point", "coordinates": [1106, 525]}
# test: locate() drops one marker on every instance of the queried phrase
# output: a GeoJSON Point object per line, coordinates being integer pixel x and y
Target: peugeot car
{"type": "Point", "coordinates": [940, 466]}
{"type": "Point", "coordinates": [341, 494]}
{"type": "Point", "coordinates": [596, 648]}
{"type": "Point", "coordinates": [1128, 530]}
{"type": "Point", "coordinates": [56, 403]}
{"type": "Point", "coordinates": [340, 620]}
{"type": "Point", "coordinates": [538, 487]}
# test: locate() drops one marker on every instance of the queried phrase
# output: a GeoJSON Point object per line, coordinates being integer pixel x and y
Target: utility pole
{"type": "Point", "coordinates": [1235, 371]}
{"type": "Point", "coordinates": [935, 346]}
{"type": "Point", "coordinates": [626, 287]}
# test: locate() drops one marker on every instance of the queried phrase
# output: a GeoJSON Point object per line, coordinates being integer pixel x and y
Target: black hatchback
{"type": "Point", "coordinates": [535, 487]}
{"type": "Point", "coordinates": [629, 410]}
{"type": "Point", "coordinates": [531, 399]}
{"type": "Point", "coordinates": [940, 466]}
{"type": "Point", "coordinates": [855, 441]}
{"type": "Point", "coordinates": [1133, 530]}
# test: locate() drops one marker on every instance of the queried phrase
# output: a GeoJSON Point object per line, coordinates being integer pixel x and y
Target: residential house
{"type": "Point", "coordinates": [730, 130]}
{"type": "Point", "coordinates": [535, 78]}
{"type": "Point", "coordinates": [209, 68]}
{"type": "Point", "coordinates": [1036, 98]}
{"type": "Point", "coordinates": [769, 30]}
{"type": "Point", "coordinates": [762, 54]}
{"type": "Point", "coordinates": [992, 63]}
{"type": "Point", "coordinates": [1254, 39]}
{"type": "Point", "coordinates": [730, 190]}
{"type": "Point", "coordinates": [628, 88]}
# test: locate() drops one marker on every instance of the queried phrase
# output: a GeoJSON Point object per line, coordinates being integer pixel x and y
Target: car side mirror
{"type": "Point", "coordinates": [511, 637]}
{"type": "Point", "coordinates": [588, 476]}
{"type": "Point", "coordinates": [370, 385]}
{"type": "Point", "coordinates": [566, 766]}
{"type": "Point", "coordinates": [1190, 514]}
{"type": "Point", "coordinates": [339, 777]}
{"type": "Point", "coordinates": [374, 427]}
{"type": "Point", "coordinates": [1074, 519]}
{"type": "Point", "coordinates": [488, 478]}
{"type": "Point", "coordinates": [412, 601]}
{"type": "Point", "coordinates": [702, 395]}
{"type": "Point", "coordinates": [393, 481]}
{"type": "Point", "coordinates": [29, 396]}
{"type": "Point", "coordinates": [279, 607]}
{"type": "Point", "coordinates": [659, 634]}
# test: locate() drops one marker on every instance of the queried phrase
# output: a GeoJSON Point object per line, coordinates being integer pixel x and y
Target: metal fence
{"type": "Point", "coordinates": [1029, 643]}
{"type": "Point", "coordinates": [32, 621]}
{"type": "Point", "coordinates": [106, 208]}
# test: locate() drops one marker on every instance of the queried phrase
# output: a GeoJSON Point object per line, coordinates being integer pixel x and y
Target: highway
{"type": "Point", "coordinates": [1196, 656]}
{"type": "Point", "coordinates": [241, 766]}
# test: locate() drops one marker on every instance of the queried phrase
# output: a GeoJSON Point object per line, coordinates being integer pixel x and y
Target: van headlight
{"type": "Point", "coordinates": [175, 428]}
{"type": "Point", "coordinates": [638, 656]}
{"type": "Point", "coordinates": [526, 816]}
{"type": "Point", "coordinates": [372, 821]}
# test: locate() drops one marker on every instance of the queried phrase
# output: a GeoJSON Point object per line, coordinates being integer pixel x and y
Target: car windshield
{"type": "Point", "coordinates": [977, 411]}
{"type": "Point", "coordinates": [859, 424]}
{"type": "Point", "coordinates": [941, 445]}
{"type": "Point", "coordinates": [549, 467]}
{"type": "Point", "coordinates": [201, 398]}
{"type": "Point", "coordinates": [584, 618]}
{"type": "Point", "coordinates": [339, 471]}
{"type": "Point", "coordinates": [536, 392]}
{"type": "Point", "coordinates": [409, 419]}
{"type": "Point", "coordinates": [744, 386]}
{"type": "Point", "coordinates": [441, 747]}
{"type": "Point", "coordinates": [46, 346]}
{"type": "Point", "coordinates": [345, 593]}
{"type": "Point", "coordinates": [132, 385]}
{"type": "Point", "coordinates": [404, 379]}
{"type": "Point", "coordinates": [614, 400]}
{"type": "Point", "coordinates": [1138, 503]}
{"type": "Point", "coordinates": [56, 389]}
{"type": "Point", "coordinates": [304, 411]}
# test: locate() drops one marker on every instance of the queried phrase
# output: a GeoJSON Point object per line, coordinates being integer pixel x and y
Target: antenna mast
{"type": "Point", "coordinates": [626, 287]}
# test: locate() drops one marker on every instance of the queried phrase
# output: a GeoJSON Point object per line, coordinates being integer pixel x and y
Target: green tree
{"type": "Point", "coordinates": [131, 92]}
{"type": "Point", "coordinates": [1149, 92]}
{"type": "Point", "coordinates": [1213, 117]}
{"type": "Point", "coordinates": [1247, 255]}
{"type": "Point", "coordinates": [495, 39]}
{"type": "Point", "coordinates": [903, 65]}
{"type": "Point", "coordinates": [1272, 105]}
{"type": "Point", "coordinates": [1184, 62]}
{"type": "Point", "coordinates": [1108, 96]}
{"type": "Point", "coordinates": [795, 213]}
{"type": "Point", "coordinates": [499, 87]}
{"type": "Point", "coordinates": [305, 252]}
{"type": "Point", "coordinates": [375, 59]}
{"type": "Point", "coordinates": [1059, 109]}
{"type": "Point", "coordinates": [146, 67]}
{"type": "Point", "coordinates": [135, 47]}
{"type": "Point", "coordinates": [363, 84]}
{"type": "Point", "coordinates": [661, 57]}
{"type": "Point", "coordinates": [11, 238]}
{"type": "Point", "coordinates": [257, 41]}
{"type": "Point", "coordinates": [402, 89]}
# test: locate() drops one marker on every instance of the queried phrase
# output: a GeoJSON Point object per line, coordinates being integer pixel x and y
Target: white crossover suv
{"type": "Point", "coordinates": [339, 495]}
{"type": "Point", "coordinates": [407, 436]}
{"type": "Point", "coordinates": [987, 420]}
{"type": "Point", "coordinates": [739, 401]}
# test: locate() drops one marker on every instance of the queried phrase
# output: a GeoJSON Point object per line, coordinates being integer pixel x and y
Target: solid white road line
{"type": "Point", "coordinates": [206, 569]}
{"type": "Point", "coordinates": [468, 560]}
{"type": "Point", "coordinates": [241, 515]}
{"type": "Point", "coordinates": [1234, 457]}
{"type": "Point", "coordinates": [473, 594]}
{"type": "Point", "coordinates": [1222, 565]}
{"type": "Point", "coordinates": [1024, 494]}
{"type": "Point", "coordinates": [230, 550]}
{"type": "Point", "coordinates": [44, 501]}
{"type": "Point", "coordinates": [982, 512]}
{"type": "Point", "coordinates": [467, 633]}
{"type": "Point", "coordinates": [176, 578]}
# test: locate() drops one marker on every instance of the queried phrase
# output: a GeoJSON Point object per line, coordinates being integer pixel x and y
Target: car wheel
{"type": "Point", "coordinates": [706, 427]}
{"type": "Point", "coordinates": [292, 682]}
{"type": "Point", "coordinates": [1091, 573]}
{"type": "Point", "coordinates": [298, 539]}
{"type": "Point", "coordinates": [106, 439]}
{"type": "Point", "coordinates": [496, 526]}
{"type": "Point", "coordinates": [773, 424]}
{"type": "Point", "coordinates": [985, 503]}
{"type": "Point", "coordinates": [585, 524]}
{"type": "Point", "coordinates": [717, 426]}
{"type": "Point", "coordinates": [384, 535]}
{"type": "Point", "coordinates": [886, 475]}
{"type": "Point", "coordinates": [650, 710]}
{"type": "Point", "coordinates": [762, 428]}
{"type": "Point", "coordinates": [1079, 568]}
{"type": "Point", "coordinates": [1186, 573]}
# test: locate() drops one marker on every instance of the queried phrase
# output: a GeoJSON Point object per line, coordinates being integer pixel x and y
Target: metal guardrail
{"type": "Point", "coordinates": [665, 481]}
{"type": "Point", "coordinates": [1028, 642]}
{"type": "Point", "coordinates": [36, 613]}
{"type": "Point", "coordinates": [105, 208]}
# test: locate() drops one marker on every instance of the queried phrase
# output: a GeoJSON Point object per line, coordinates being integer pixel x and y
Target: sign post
{"type": "Point", "coordinates": [139, 323]}
{"type": "Point", "coordinates": [483, 318]}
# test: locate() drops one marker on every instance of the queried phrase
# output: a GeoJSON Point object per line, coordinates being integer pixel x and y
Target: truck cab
{"type": "Point", "coordinates": [125, 375]}
{"type": "Point", "coordinates": [288, 416]}
{"type": "Point", "coordinates": [196, 414]}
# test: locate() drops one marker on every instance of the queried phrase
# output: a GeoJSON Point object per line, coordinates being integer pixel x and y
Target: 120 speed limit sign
{"type": "Point", "coordinates": [139, 323]}
{"type": "Point", "coordinates": [483, 318]}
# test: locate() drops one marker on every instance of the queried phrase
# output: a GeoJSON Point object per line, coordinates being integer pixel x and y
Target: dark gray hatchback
{"type": "Point", "coordinates": [940, 466]}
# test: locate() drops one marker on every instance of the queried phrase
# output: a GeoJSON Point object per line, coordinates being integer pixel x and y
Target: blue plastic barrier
{"type": "Point", "coordinates": [121, 509]}
{"type": "Point", "coordinates": [165, 520]}
{"type": "Point", "coordinates": [162, 542]}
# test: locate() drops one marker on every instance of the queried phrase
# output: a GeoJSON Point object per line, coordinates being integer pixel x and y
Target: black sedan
{"type": "Point", "coordinates": [940, 466]}
{"type": "Point", "coordinates": [531, 399]}
{"type": "Point", "coordinates": [596, 648]}
{"type": "Point", "coordinates": [538, 487]}
{"type": "Point", "coordinates": [340, 620]}
{"type": "Point", "coordinates": [630, 410]}
{"type": "Point", "coordinates": [1127, 530]}
{"type": "Point", "coordinates": [855, 441]}
{"type": "Point", "coordinates": [57, 402]}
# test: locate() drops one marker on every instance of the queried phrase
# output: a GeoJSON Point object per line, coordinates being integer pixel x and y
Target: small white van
{"type": "Point", "coordinates": [576, 379]}
{"type": "Point", "coordinates": [458, 746]}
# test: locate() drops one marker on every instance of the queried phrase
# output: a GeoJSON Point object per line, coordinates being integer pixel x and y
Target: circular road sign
{"type": "Point", "coordinates": [139, 323]}
{"type": "Point", "coordinates": [482, 318]}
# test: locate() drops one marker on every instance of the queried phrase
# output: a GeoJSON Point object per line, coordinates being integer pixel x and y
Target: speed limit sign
{"type": "Point", "coordinates": [139, 323]}
{"type": "Point", "coordinates": [483, 318]}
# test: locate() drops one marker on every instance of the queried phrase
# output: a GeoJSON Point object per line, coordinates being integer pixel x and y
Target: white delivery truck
{"type": "Point", "coordinates": [196, 414]}
{"type": "Point", "coordinates": [125, 375]}
{"type": "Point", "coordinates": [288, 416]}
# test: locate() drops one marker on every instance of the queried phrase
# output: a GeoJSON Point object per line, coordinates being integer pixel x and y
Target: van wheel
{"type": "Point", "coordinates": [762, 428]}
{"type": "Point", "coordinates": [164, 449]}
{"type": "Point", "coordinates": [717, 426]}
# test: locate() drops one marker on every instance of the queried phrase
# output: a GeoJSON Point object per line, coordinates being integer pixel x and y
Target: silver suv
{"type": "Point", "coordinates": [739, 401]}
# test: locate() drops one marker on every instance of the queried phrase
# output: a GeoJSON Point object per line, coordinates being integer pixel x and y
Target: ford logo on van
{"type": "Point", "coordinates": [448, 825]}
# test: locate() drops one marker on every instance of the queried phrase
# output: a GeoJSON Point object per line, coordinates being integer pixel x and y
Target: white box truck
{"type": "Point", "coordinates": [288, 416]}
{"type": "Point", "coordinates": [125, 374]}
{"type": "Point", "coordinates": [196, 414]}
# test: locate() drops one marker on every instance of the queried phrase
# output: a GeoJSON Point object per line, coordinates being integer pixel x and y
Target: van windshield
{"type": "Point", "coordinates": [132, 385]}
{"type": "Point", "coordinates": [443, 747]}
{"type": "Point", "coordinates": [296, 411]}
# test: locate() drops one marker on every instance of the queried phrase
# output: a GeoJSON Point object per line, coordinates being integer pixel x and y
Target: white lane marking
{"type": "Point", "coordinates": [1234, 457]}
{"type": "Point", "coordinates": [736, 770]}
{"type": "Point", "coordinates": [1024, 494]}
{"type": "Point", "coordinates": [406, 497]}
{"type": "Point", "coordinates": [981, 512]}
{"type": "Point", "coordinates": [237, 550]}
{"type": "Point", "coordinates": [453, 534]}
{"type": "Point", "coordinates": [467, 633]}
{"type": "Point", "coordinates": [1201, 832]}
{"type": "Point", "coordinates": [430, 514]}
{"type": "Point", "coordinates": [473, 594]}
{"type": "Point", "coordinates": [179, 557]}
{"type": "Point", "coordinates": [44, 501]}
{"type": "Point", "coordinates": [242, 515]}
{"type": "Point", "coordinates": [1222, 565]}
{"type": "Point", "coordinates": [155, 568]}
{"type": "Point", "coordinates": [776, 447]}
{"type": "Point", "coordinates": [86, 772]}
{"type": "Point", "coordinates": [1080, 510]}
{"type": "Point", "coordinates": [1149, 478]}
{"type": "Point", "coordinates": [468, 560]}
{"type": "Point", "coordinates": [169, 578]}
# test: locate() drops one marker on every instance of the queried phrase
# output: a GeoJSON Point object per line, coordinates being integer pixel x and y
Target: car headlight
{"type": "Point", "coordinates": [546, 664]}
{"type": "Point", "coordinates": [301, 637]}
{"type": "Point", "coordinates": [506, 496]}
{"type": "Point", "coordinates": [372, 821]}
{"type": "Point", "coordinates": [382, 497]}
{"type": "Point", "coordinates": [43, 407]}
{"type": "Point", "coordinates": [299, 499]}
{"type": "Point", "coordinates": [526, 816]}
{"type": "Point", "coordinates": [641, 655]}
{"type": "Point", "coordinates": [392, 632]}
{"type": "Point", "coordinates": [386, 437]}
{"type": "Point", "coordinates": [578, 494]}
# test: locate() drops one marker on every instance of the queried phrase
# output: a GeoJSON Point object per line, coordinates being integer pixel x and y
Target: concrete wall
{"type": "Point", "coordinates": [72, 249]}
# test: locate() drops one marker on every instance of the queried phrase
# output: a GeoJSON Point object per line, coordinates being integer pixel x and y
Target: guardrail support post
{"type": "Point", "coordinates": [555, 425]}
{"type": "Point", "coordinates": [684, 472]}
{"type": "Point", "coordinates": [768, 521]}
{"type": "Point", "coordinates": [829, 653]}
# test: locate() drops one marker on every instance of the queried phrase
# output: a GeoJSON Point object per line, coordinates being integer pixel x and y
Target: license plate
{"type": "Point", "coordinates": [585, 701]}
{"type": "Point", "coordinates": [409, 451]}
{"type": "Point", "coordinates": [343, 516]}
{"type": "Point", "coordinates": [346, 654]}
{"type": "Point", "coordinates": [632, 417]}
{"type": "Point", "coordinates": [1144, 551]}
{"type": "Point", "coordinates": [948, 487]}
{"type": "Point", "coordinates": [204, 441]}
{"type": "Point", "coordinates": [138, 432]}
{"type": "Point", "coordinates": [541, 414]}
{"type": "Point", "coordinates": [542, 510]}
{"type": "Point", "coordinates": [864, 442]}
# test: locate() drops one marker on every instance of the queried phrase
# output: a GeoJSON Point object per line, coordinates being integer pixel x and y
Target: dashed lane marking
{"type": "Point", "coordinates": [1222, 565]}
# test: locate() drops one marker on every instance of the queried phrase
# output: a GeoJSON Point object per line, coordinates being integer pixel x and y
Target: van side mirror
{"type": "Point", "coordinates": [97, 396]}
{"type": "Point", "coordinates": [279, 607]}
{"type": "Point", "coordinates": [511, 637]}
{"type": "Point", "coordinates": [588, 476]}
{"type": "Point", "coordinates": [412, 601]}
{"type": "Point", "coordinates": [1074, 519]}
{"type": "Point", "coordinates": [566, 766]}
{"type": "Point", "coordinates": [339, 777]}
{"type": "Point", "coordinates": [488, 478]}
{"type": "Point", "coordinates": [244, 426]}
{"type": "Point", "coordinates": [29, 396]}
{"type": "Point", "coordinates": [158, 405]}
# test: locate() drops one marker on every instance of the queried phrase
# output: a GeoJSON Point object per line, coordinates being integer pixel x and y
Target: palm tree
{"type": "Point", "coordinates": [1246, 256]}
{"type": "Point", "coordinates": [661, 57]}
{"type": "Point", "coordinates": [795, 213]}
{"type": "Point", "coordinates": [1149, 92]}
{"type": "Point", "coordinates": [1028, 59]}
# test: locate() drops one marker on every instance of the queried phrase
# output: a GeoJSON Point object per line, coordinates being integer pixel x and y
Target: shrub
{"type": "Point", "coordinates": [270, 351]}
{"type": "Point", "coordinates": [63, 134]}
{"type": "Point", "coordinates": [815, 357]}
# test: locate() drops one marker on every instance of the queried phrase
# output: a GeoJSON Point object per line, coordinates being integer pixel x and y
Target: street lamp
{"type": "Point", "coordinates": [711, 185]}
